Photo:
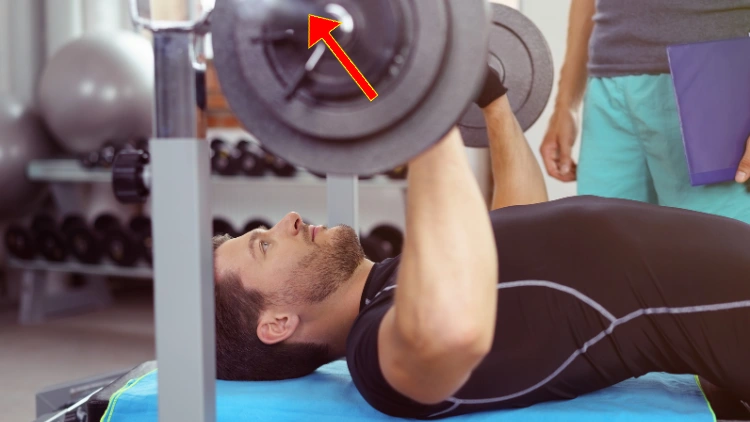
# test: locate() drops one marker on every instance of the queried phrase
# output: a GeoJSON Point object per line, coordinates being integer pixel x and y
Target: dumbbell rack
{"type": "Point", "coordinates": [70, 171]}
{"type": "Point", "coordinates": [35, 306]}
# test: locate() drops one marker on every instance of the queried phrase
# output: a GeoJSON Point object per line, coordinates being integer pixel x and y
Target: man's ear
{"type": "Point", "coordinates": [275, 328]}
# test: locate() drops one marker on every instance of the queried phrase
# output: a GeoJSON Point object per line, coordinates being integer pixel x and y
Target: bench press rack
{"type": "Point", "coordinates": [179, 181]}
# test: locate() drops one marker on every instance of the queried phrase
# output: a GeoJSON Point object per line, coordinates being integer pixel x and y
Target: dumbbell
{"type": "Point", "coordinates": [256, 224]}
{"type": "Point", "coordinates": [140, 144]}
{"type": "Point", "coordinates": [107, 154]}
{"type": "Point", "coordinates": [384, 241]}
{"type": "Point", "coordinates": [222, 227]}
{"type": "Point", "coordinates": [140, 226]}
{"type": "Point", "coordinates": [118, 244]}
{"type": "Point", "coordinates": [19, 242]}
{"type": "Point", "coordinates": [133, 145]}
{"type": "Point", "coordinates": [89, 160]}
{"type": "Point", "coordinates": [390, 237]}
{"type": "Point", "coordinates": [279, 166]}
{"type": "Point", "coordinates": [224, 160]}
{"type": "Point", "coordinates": [81, 241]}
{"type": "Point", "coordinates": [251, 162]}
{"type": "Point", "coordinates": [48, 240]}
{"type": "Point", "coordinates": [373, 249]}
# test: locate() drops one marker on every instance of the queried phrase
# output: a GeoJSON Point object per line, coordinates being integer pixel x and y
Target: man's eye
{"type": "Point", "coordinates": [264, 246]}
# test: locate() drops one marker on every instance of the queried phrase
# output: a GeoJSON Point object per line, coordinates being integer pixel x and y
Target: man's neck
{"type": "Point", "coordinates": [336, 315]}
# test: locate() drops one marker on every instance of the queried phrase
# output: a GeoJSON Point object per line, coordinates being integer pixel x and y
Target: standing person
{"type": "Point", "coordinates": [616, 64]}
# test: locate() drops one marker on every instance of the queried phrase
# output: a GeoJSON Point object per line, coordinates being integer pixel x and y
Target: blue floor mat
{"type": "Point", "coordinates": [329, 395]}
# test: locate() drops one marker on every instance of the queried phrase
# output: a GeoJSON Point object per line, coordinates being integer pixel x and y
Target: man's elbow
{"type": "Point", "coordinates": [474, 344]}
{"type": "Point", "coordinates": [482, 338]}
{"type": "Point", "coordinates": [436, 369]}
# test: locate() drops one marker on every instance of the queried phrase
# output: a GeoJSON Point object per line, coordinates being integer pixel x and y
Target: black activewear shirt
{"type": "Point", "coordinates": [591, 292]}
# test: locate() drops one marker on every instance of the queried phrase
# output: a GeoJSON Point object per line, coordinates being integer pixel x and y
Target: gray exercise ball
{"type": "Point", "coordinates": [99, 88]}
{"type": "Point", "coordinates": [22, 139]}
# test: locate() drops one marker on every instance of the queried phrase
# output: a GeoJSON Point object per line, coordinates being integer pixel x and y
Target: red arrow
{"type": "Point", "coordinates": [319, 29]}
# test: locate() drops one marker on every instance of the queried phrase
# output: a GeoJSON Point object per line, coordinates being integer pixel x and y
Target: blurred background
{"type": "Point", "coordinates": [76, 86]}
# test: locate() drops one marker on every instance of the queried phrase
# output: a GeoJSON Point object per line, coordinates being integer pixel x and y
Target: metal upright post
{"type": "Point", "coordinates": [183, 258]}
{"type": "Point", "coordinates": [343, 201]}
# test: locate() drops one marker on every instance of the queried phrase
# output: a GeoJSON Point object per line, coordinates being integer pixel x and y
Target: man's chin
{"type": "Point", "coordinates": [346, 240]}
{"type": "Point", "coordinates": [341, 231]}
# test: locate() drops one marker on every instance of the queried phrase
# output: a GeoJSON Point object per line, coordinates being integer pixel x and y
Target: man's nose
{"type": "Point", "coordinates": [291, 224]}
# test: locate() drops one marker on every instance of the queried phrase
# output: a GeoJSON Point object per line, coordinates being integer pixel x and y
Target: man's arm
{"type": "Point", "coordinates": [443, 320]}
{"type": "Point", "coordinates": [558, 142]}
{"type": "Point", "coordinates": [516, 173]}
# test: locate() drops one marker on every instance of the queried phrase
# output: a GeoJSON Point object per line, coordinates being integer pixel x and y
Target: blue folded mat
{"type": "Point", "coordinates": [329, 395]}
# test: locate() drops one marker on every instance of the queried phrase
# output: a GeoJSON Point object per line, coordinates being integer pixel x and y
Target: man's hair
{"type": "Point", "coordinates": [240, 354]}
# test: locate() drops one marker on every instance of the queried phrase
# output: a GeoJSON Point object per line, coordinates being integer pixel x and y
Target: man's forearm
{"type": "Point", "coordinates": [574, 72]}
{"type": "Point", "coordinates": [516, 173]}
{"type": "Point", "coordinates": [448, 274]}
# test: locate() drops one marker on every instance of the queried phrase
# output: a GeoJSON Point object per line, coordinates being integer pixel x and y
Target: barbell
{"type": "Point", "coordinates": [427, 59]}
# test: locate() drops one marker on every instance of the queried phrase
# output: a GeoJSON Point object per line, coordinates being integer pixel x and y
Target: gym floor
{"type": "Point", "coordinates": [72, 347]}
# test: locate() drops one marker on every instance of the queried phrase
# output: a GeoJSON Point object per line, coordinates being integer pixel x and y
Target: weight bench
{"type": "Point", "coordinates": [329, 395]}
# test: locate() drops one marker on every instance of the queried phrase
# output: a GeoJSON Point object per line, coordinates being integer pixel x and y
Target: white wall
{"type": "Point", "coordinates": [4, 46]}
{"type": "Point", "coordinates": [32, 30]}
{"type": "Point", "coordinates": [104, 15]}
{"type": "Point", "coordinates": [67, 20]}
{"type": "Point", "coordinates": [24, 33]}
{"type": "Point", "coordinates": [551, 16]}
{"type": "Point", "coordinates": [64, 23]}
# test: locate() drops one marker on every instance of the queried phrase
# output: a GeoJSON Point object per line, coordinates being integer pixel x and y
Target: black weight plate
{"type": "Point", "coordinates": [71, 222]}
{"type": "Point", "coordinates": [256, 224]}
{"type": "Point", "coordinates": [146, 246]}
{"type": "Point", "coordinates": [415, 66]}
{"type": "Point", "coordinates": [372, 48]}
{"type": "Point", "coordinates": [373, 249]}
{"type": "Point", "coordinates": [42, 222]}
{"type": "Point", "coordinates": [140, 224]}
{"type": "Point", "coordinates": [391, 237]}
{"type": "Point", "coordinates": [121, 248]}
{"type": "Point", "coordinates": [51, 245]}
{"type": "Point", "coordinates": [520, 54]}
{"type": "Point", "coordinates": [19, 242]}
{"type": "Point", "coordinates": [83, 245]}
{"type": "Point", "coordinates": [105, 222]}
{"type": "Point", "coordinates": [436, 104]}
{"type": "Point", "coordinates": [222, 227]}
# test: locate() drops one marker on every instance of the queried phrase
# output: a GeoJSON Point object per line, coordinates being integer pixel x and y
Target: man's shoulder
{"type": "Point", "coordinates": [377, 299]}
{"type": "Point", "coordinates": [381, 282]}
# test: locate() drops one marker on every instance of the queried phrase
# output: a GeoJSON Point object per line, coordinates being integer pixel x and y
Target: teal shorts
{"type": "Point", "coordinates": [632, 148]}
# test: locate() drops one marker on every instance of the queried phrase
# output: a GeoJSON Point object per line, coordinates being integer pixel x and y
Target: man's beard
{"type": "Point", "coordinates": [323, 271]}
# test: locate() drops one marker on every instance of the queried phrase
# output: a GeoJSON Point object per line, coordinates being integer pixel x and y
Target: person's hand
{"type": "Point", "coordinates": [743, 172]}
{"type": "Point", "coordinates": [558, 143]}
